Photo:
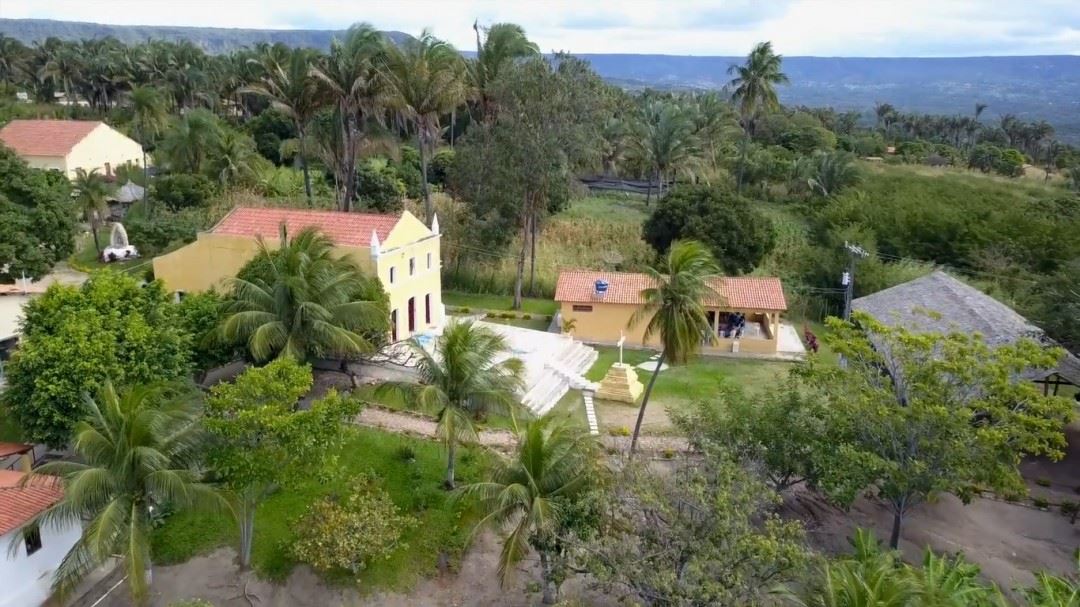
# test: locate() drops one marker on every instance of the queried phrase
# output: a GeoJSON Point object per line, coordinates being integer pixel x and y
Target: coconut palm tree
{"type": "Point", "coordinates": [301, 301]}
{"type": "Point", "coordinates": [293, 90]}
{"type": "Point", "coordinates": [352, 80]}
{"type": "Point", "coordinates": [149, 120]}
{"type": "Point", "coordinates": [91, 190]}
{"type": "Point", "coordinates": [234, 157]}
{"type": "Point", "coordinates": [674, 310]}
{"type": "Point", "coordinates": [502, 44]}
{"type": "Point", "coordinates": [979, 109]}
{"type": "Point", "coordinates": [529, 492]}
{"type": "Point", "coordinates": [666, 140]}
{"type": "Point", "coordinates": [467, 376]}
{"type": "Point", "coordinates": [135, 450]}
{"type": "Point", "coordinates": [426, 78]}
{"type": "Point", "coordinates": [754, 90]}
{"type": "Point", "coordinates": [187, 143]}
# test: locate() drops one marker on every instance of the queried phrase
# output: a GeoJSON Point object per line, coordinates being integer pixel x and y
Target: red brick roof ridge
{"type": "Point", "coordinates": [750, 292]}
{"type": "Point", "coordinates": [345, 228]}
{"type": "Point", "coordinates": [46, 137]}
{"type": "Point", "coordinates": [20, 503]}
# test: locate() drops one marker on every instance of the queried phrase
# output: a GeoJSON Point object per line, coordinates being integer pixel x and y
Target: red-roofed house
{"type": "Point", "coordinates": [29, 555]}
{"type": "Point", "coordinates": [399, 249]}
{"type": "Point", "coordinates": [602, 303]}
{"type": "Point", "coordinates": [66, 145]}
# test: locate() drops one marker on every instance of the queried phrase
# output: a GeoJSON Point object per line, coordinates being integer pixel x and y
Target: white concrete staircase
{"type": "Point", "coordinates": [590, 412]}
{"type": "Point", "coordinates": [561, 372]}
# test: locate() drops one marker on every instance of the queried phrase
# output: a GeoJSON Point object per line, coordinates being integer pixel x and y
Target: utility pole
{"type": "Point", "coordinates": [848, 278]}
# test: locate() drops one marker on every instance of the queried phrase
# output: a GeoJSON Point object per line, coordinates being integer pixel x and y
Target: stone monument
{"type": "Point", "coordinates": [620, 383]}
{"type": "Point", "coordinates": [119, 248]}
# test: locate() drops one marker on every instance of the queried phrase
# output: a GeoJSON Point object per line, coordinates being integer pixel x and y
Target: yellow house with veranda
{"type": "Point", "coordinates": [399, 249]}
{"type": "Point", "coordinates": [602, 304]}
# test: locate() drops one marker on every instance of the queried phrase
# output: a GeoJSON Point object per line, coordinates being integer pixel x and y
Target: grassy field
{"type": "Point", "coordinates": [414, 486]}
{"type": "Point", "coordinates": [479, 301]}
{"type": "Point", "coordinates": [679, 386]}
{"type": "Point", "coordinates": [593, 232]}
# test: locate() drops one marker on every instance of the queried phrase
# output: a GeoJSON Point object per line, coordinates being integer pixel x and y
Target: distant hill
{"type": "Point", "coordinates": [1037, 87]}
{"type": "Point", "coordinates": [211, 39]}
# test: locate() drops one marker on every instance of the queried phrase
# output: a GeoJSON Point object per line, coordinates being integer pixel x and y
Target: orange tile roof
{"type": "Point", "coordinates": [7, 449]}
{"type": "Point", "coordinates": [738, 293]}
{"type": "Point", "coordinates": [349, 229]}
{"type": "Point", "coordinates": [45, 137]}
{"type": "Point", "coordinates": [20, 504]}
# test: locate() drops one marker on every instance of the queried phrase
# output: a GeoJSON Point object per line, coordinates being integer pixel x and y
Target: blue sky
{"type": "Point", "coordinates": [881, 28]}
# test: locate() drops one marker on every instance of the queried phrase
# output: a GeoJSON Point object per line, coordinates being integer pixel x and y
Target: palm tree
{"type": "Point", "coordinates": [426, 78]}
{"type": "Point", "coordinates": [301, 301]}
{"type": "Point", "coordinates": [91, 190]}
{"type": "Point", "coordinates": [502, 44]}
{"type": "Point", "coordinates": [353, 81]}
{"type": "Point", "coordinates": [294, 91]}
{"type": "Point", "coordinates": [979, 109]}
{"type": "Point", "coordinates": [135, 450]}
{"type": "Point", "coordinates": [149, 119]}
{"type": "Point", "coordinates": [188, 141]}
{"type": "Point", "coordinates": [754, 90]}
{"type": "Point", "coordinates": [666, 141]}
{"type": "Point", "coordinates": [553, 465]}
{"type": "Point", "coordinates": [674, 310]}
{"type": "Point", "coordinates": [466, 377]}
{"type": "Point", "coordinates": [234, 157]}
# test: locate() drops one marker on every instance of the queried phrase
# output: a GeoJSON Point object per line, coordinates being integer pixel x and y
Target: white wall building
{"type": "Point", "coordinates": [67, 145]}
{"type": "Point", "coordinates": [26, 568]}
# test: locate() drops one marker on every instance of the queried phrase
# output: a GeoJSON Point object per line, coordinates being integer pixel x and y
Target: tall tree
{"type": "Point", "coordinates": [292, 89]}
{"type": "Point", "coordinates": [302, 302]}
{"type": "Point", "coordinates": [39, 218]}
{"type": "Point", "coordinates": [937, 413]}
{"type": "Point", "coordinates": [187, 144]}
{"type": "Point", "coordinates": [503, 44]}
{"type": "Point", "coordinates": [91, 190]}
{"type": "Point", "coordinates": [426, 79]}
{"type": "Point", "coordinates": [464, 378]}
{"type": "Point", "coordinates": [538, 494]}
{"type": "Point", "coordinates": [666, 140]}
{"type": "Point", "coordinates": [754, 90]}
{"type": "Point", "coordinates": [136, 449]}
{"type": "Point", "coordinates": [352, 77]}
{"type": "Point", "coordinates": [261, 439]}
{"type": "Point", "coordinates": [674, 311]}
{"type": "Point", "coordinates": [149, 119]}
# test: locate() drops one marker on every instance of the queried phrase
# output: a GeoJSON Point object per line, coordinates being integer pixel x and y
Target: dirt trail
{"type": "Point", "coordinates": [404, 423]}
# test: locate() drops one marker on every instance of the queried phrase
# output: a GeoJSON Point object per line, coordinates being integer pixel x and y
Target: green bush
{"type": "Point", "coordinates": [154, 235]}
{"type": "Point", "coordinates": [526, 317]}
{"type": "Point", "coordinates": [1040, 502]}
{"type": "Point", "coordinates": [441, 165]}
{"type": "Point", "coordinates": [347, 534]}
{"type": "Point", "coordinates": [1043, 482]}
{"type": "Point", "coordinates": [182, 191]}
{"type": "Point", "coordinates": [405, 453]}
{"type": "Point", "coordinates": [379, 187]}
{"type": "Point", "coordinates": [619, 431]}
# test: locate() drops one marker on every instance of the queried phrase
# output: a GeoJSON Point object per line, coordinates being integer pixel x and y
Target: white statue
{"type": "Point", "coordinates": [119, 248]}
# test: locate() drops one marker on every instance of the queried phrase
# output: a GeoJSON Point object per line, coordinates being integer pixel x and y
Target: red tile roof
{"type": "Point", "coordinates": [20, 504]}
{"type": "Point", "coordinates": [738, 293]}
{"type": "Point", "coordinates": [45, 137]}
{"type": "Point", "coordinates": [7, 449]}
{"type": "Point", "coordinates": [348, 229]}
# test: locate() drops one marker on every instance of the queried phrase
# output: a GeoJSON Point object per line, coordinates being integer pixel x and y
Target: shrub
{"type": "Point", "coordinates": [154, 235]}
{"type": "Point", "coordinates": [549, 317]}
{"type": "Point", "coordinates": [526, 317]}
{"type": "Point", "coordinates": [441, 165]}
{"type": "Point", "coordinates": [379, 187]}
{"type": "Point", "coordinates": [347, 534]}
{"type": "Point", "coordinates": [1071, 510]}
{"type": "Point", "coordinates": [1042, 482]}
{"type": "Point", "coordinates": [669, 454]}
{"type": "Point", "coordinates": [463, 310]}
{"type": "Point", "coordinates": [182, 191]}
{"type": "Point", "coordinates": [737, 234]}
{"type": "Point", "coordinates": [1040, 502]}
{"type": "Point", "coordinates": [619, 431]}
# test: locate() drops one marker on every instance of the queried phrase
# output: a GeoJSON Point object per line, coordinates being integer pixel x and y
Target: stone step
{"type": "Point", "coordinates": [590, 413]}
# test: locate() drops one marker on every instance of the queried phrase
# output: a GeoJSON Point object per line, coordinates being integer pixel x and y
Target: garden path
{"type": "Point", "coordinates": [404, 423]}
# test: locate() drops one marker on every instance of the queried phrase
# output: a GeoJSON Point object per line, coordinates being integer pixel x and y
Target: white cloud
{"type": "Point", "coordinates": [728, 27]}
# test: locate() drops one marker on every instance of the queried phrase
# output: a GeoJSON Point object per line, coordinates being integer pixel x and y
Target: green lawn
{"type": "Point", "coordinates": [474, 301]}
{"type": "Point", "coordinates": [393, 400]}
{"type": "Point", "coordinates": [414, 486]}
{"type": "Point", "coordinates": [681, 385]}
{"type": "Point", "coordinates": [86, 256]}
{"type": "Point", "coordinates": [536, 323]}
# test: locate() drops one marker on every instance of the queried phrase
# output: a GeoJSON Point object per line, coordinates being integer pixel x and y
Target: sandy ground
{"type": "Point", "coordinates": [1008, 541]}
{"type": "Point", "coordinates": [214, 577]}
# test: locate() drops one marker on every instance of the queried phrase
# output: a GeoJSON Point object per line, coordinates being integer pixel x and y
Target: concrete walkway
{"type": "Point", "coordinates": [503, 440]}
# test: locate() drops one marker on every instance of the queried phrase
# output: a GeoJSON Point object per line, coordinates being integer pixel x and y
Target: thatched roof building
{"type": "Point", "coordinates": [939, 303]}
